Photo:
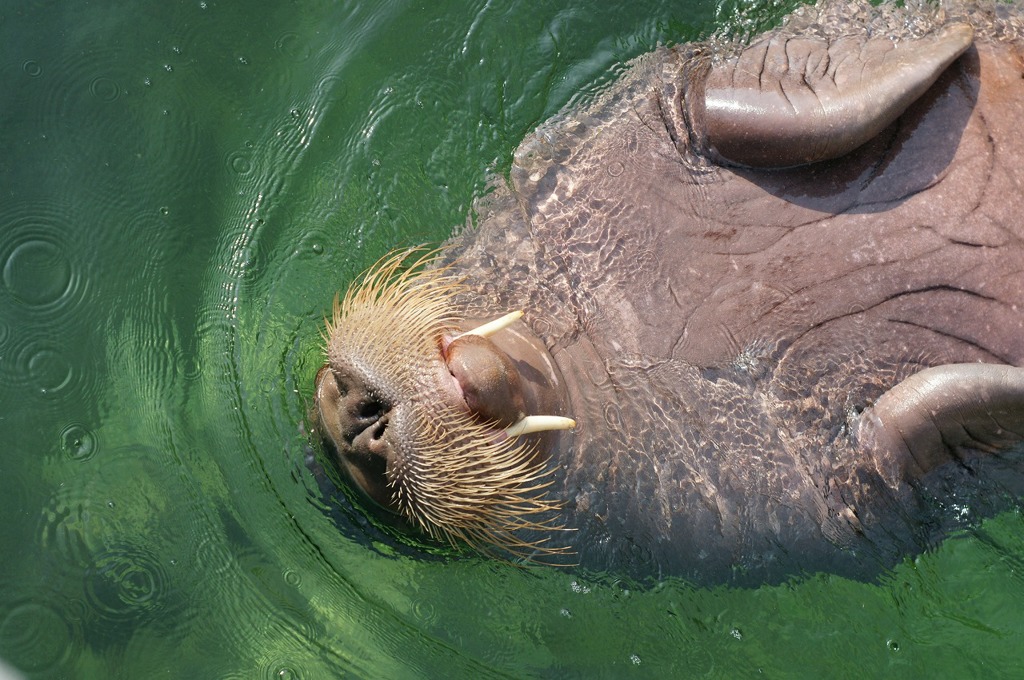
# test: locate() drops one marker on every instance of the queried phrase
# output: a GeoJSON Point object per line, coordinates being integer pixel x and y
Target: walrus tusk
{"type": "Point", "coordinates": [492, 327]}
{"type": "Point", "coordinates": [529, 424]}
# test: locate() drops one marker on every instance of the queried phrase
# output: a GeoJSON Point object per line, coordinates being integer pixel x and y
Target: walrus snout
{"type": "Point", "coordinates": [362, 415]}
{"type": "Point", "coordinates": [355, 422]}
{"type": "Point", "coordinates": [445, 421]}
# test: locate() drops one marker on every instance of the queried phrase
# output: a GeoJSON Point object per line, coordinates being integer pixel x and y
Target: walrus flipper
{"type": "Point", "coordinates": [788, 101]}
{"type": "Point", "coordinates": [941, 413]}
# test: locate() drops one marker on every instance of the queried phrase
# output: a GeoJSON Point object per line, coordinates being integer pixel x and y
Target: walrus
{"type": "Point", "coordinates": [755, 311]}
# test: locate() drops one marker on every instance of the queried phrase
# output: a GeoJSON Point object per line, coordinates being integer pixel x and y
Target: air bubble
{"type": "Point", "coordinates": [580, 588]}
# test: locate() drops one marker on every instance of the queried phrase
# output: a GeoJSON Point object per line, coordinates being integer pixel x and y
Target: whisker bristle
{"type": "Point", "coordinates": [462, 485]}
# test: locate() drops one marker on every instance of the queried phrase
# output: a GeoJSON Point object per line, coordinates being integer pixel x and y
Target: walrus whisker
{"type": "Point", "coordinates": [465, 486]}
{"type": "Point", "coordinates": [464, 479]}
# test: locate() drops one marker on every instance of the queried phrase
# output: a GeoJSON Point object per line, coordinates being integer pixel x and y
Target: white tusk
{"type": "Point", "coordinates": [492, 327]}
{"type": "Point", "coordinates": [539, 424]}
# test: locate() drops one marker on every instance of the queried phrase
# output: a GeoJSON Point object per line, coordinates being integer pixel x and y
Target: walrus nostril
{"type": "Point", "coordinates": [370, 410]}
{"type": "Point", "coordinates": [378, 429]}
{"type": "Point", "coordinates": [370, 442]}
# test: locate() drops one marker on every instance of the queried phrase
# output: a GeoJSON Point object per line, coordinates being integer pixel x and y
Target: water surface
{"type": "Point", "coordinates": [183, 187]}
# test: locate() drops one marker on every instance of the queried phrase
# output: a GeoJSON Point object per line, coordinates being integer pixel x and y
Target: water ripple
{"type": "Point", "coordinates": [213, 555]}
{"type": "Point", "coordinates": [63, 530]}
{"type": "Point", "coordinates": [19, 497]}
{"type": "Point", "coordinates": [37, 272]}
{"type": "Point", "coordinates": [46, 273]}
{"type": "Point", "coordinates": [127, 583]}
{"type": "Point", "coordinates": [78, 443]}
{"type": "Point", "coordinates": [280, 669]}
{"type": "Point", "coordinates": [291, 45]}
{"type": "Point", "coordinates": [44, 369]}
{"type": "Point", "coordinates": [36, 637]}
{"type": "Point", "coordinates": [294, 631]}
{"type": "Point", "coordinates": [241, 163]}
{"type": "Point", "coordinates": [144, 350]}
{"type": "Point", "coordinates": [179, 131]}
{"type": "Point", "coordinates": [32, 68]}
{"type": "Point", "coordinates": [48, 368]}
{"type": "Point", "coordinates": [152, 225]}
{"type": "Point", "coordinates": [104, 88]}
{"type": "Point", "coordinates": [83, 82]}
{"type": "Point", "coordinates": [331, 89]}
{"type": "Point", "coordinates": [40, 268]}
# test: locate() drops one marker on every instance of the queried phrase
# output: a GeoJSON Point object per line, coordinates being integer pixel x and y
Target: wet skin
{"type": "Point", "coordinates": [784, 348]}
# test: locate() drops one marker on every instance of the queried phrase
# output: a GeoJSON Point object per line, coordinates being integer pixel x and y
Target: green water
{"type": "Point", "coordinates": [183, 187]}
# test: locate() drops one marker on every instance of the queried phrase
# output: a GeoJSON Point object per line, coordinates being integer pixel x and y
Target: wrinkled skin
{"type": "Point", "coordinates": [765, 365]}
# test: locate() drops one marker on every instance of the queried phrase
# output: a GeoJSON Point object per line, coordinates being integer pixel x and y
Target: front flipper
{"type": "Point", "coordinates": [788, 101]}
{"type": "Point", "coordinates": [933, 416]}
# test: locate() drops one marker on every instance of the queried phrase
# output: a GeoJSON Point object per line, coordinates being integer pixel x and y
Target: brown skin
{"type": "Point", "coordinates": [772, 371]}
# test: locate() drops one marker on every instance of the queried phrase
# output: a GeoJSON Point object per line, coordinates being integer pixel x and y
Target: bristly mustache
{"type": "Point", "coordinates": [460, 480]}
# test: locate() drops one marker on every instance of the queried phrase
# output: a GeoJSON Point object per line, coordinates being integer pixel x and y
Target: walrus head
{"type": "Point", "coordinates": [429, 413]}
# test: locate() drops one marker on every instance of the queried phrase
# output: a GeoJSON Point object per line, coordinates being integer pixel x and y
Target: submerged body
{"type": "Point", "coordinates": [770, 370]}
